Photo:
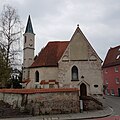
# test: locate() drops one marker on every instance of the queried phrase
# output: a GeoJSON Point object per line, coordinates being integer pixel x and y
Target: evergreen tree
{"type": "Point", "coordinates": [5, 70]}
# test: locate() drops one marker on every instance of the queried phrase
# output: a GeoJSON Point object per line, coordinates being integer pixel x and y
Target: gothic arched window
{"type": "Point", "coordinates": [37, 76]}
{"type": "Point", "coordinates": [74, 73]}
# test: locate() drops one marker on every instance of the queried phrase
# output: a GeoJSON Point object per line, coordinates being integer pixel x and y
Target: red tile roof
{"type": "Point", "coordinates": [44, 82]}
{"type": "Point", "coordinates": [48, 82]}
{"type": "Point", "coordinates": [51, 54]}
{"type": "Point", "coordinates": [32, 91]}
{"type": "Point", "coordinates": [112, 57]}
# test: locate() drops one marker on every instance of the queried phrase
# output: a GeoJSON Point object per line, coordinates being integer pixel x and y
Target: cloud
{"type": "Point", "coordinates": [57, 20]}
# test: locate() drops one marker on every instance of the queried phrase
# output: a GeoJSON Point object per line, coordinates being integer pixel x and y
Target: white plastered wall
{"type": "Point", "coordinates": [45, 73]}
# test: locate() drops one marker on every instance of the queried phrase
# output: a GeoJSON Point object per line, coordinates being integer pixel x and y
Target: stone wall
{"type": "Point", "coordinates": [91, 103]}
{"type": "Point", "coordinates": [42, 101]}
{"type": "Point", "coordinates": [90, 69]}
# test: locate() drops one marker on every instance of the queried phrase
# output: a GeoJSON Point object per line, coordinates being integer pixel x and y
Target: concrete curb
{"type": "Point", "coordinates": [75, 116]}
{"type": "Point", "coordinates": [107, 113]}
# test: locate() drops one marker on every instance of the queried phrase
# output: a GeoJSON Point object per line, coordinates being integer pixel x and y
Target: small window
{"type": "Point", "coordinates": [51, 85]}
{"type": "Point", "coordinates": [37, 76]}
{"type": "Point", "coordinates": [117, 80]}
{"type": "Point", "coordinates": [112, 92]}
{"type": "Point", "coordinates": [106, 81]}
{"type": "Point", "coordinates": [96, 86]}
{"type": "Point", "coordinates": [116, 69]}
{"type": "Point", "coordinates": [74, 73]}
{"type": "Point", "coordinates": [107, 91]}
{"type": "Point", "coordinates": [25, 39]}
{"type": "Point", "coordinates": [119, 49]}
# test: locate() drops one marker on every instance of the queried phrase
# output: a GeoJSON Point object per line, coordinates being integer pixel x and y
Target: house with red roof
{"type": "Point", "coordinates": [62, 64]}
{"type": "Point", "coordinates": [111, 71]}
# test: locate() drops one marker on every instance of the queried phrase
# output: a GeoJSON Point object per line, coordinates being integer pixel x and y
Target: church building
{"type": "Point", "coordinates": [62, 64]}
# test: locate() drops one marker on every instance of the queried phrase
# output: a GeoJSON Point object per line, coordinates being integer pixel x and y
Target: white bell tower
{"type": "Point", "coordinates": [28, 50]}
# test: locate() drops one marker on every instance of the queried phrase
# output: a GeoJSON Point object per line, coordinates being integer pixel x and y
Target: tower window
{"type": "Point", "coordinates": [74, 73]}
{"type": "Point", "coordinates": [95, 86]}
{"type": "Point", "coordinates": [37, 76]}
{"type": "Point", "coordinates": [25, 39]}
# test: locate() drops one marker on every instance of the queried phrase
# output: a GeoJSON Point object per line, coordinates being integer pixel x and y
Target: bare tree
{"type": "Point", "coordinates": [10, 28]}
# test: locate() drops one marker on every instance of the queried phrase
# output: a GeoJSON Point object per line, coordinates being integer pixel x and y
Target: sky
{"type": "Point", "coordinates": [56, 20]}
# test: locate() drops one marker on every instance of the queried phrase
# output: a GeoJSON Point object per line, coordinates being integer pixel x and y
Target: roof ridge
{"type": "Point", "coordinates": [58, 41]}
{"type": "Point", "coordinates": [112, 57]}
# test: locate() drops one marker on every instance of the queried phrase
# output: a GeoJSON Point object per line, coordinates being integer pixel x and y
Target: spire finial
{"type": "Point", "coordinates": [77, 25]}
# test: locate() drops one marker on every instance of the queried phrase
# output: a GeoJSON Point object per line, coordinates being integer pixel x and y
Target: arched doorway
{"type": "Point", "coordinates": [83, 90]}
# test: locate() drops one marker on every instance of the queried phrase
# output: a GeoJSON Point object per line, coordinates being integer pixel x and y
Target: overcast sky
{"type": "Point", "coordinates": [54, 20]}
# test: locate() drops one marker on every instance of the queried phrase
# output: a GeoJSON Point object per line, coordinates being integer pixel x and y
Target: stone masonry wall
{"type": "Point", "coordinates": [38, 101]}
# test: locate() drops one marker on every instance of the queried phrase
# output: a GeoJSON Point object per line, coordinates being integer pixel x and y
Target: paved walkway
{"type": "Point", "coordinates": [76, 116]}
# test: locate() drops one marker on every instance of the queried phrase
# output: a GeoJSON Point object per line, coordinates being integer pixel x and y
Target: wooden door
{"type": "Point", "coordinates": [83, 90]}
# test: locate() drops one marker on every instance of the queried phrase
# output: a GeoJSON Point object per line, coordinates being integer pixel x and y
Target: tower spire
{"type": "Point", "coordinates": [29, 28]}
{"type": "Point", "coordinates": [28, 50]}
